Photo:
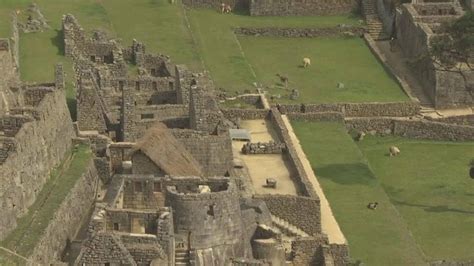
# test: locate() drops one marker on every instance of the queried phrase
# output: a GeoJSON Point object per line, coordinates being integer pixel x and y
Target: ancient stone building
{"type": "Point", "coordinates": [415, 24]}
{"type": "Point", "coordinates": [170, 192]}
{"type": "Point", "coordinates": [35, 126]}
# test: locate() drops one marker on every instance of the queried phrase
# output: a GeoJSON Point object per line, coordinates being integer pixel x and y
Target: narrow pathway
{"type": "Point", "coordinates": [328, 222]}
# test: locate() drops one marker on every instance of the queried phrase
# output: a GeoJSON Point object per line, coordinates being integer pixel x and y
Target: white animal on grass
{"type": "Point", "coordinates": [306, 62]}
{"type": "Point", "coordinates": [394, 151]}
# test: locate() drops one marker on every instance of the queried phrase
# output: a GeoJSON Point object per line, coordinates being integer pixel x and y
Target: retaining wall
{"type": "Point", "coordinates": [64, 224]}
{"type": "Point", "coordinates": [301, 32]}
{"type": "Point", "coordinates": [300, 178]}
{"type": "Point", "coordinates": [44, 141]}
{"type": "Point", "coordinates": [416, 129]}
{"type": "Point", "coordinates": [303, 212]}
{"type": "Point", "coordinates": [390, 109]}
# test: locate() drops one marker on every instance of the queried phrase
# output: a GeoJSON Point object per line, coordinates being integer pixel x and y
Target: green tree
{"type": "Point", "coordinates": [453, 49]}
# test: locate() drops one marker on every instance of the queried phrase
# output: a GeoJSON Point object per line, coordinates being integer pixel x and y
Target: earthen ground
{"type": "Point", "coordinates": [328, 222]}
{"type": "Point", "coordinates": [263, 166]}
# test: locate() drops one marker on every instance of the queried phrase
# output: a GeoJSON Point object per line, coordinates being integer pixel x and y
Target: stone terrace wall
{"type": "Point", "coordinates": [417, 129]}
{"type": "Point", "coordinates": [467, 120]}
{"type": "Point", "coordinates": [301, 179]}
{"type": "Point", "coordinates": [235, 115]}
{"type": "Point", "coordinates": [337, 253]}
{"type": "Point", "coordinates": [301, 8]}
{"type": "Point", "coordinates": [308, 251]}
{"type": "Point", "coordinates": [392, 109]}
{"type": "Point", "coordinates": [216, 4]}
{"type": "Point", "coordinates": [64, 224]}
{"type": "Point", "coordinates": [300, 32]}
{"type": "Point", "coordinates": [45, 142]}
{"type": "Point", "coordinates": [319, 116]}
{"type": "Point", "coordinates": [303, 212]}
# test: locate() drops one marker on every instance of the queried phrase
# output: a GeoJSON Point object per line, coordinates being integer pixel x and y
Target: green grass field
{"type": "Point", "coordinates": [425, 195]}
{"type": "Point", "coordinates": [345, 60]}
{"type": "Point", "coordinates": [31, 226]}
{"type": "Point", "coordinates": [378, 237]}
{"type": "Point", "coordinates": [429, 184]}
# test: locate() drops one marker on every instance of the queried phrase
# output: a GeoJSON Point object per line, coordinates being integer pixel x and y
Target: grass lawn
{"type": "Point", "coordinates": [346, 60]}
{"type": "Point", "coordinates": [429, 184]}
{"type": "Point", "coordinates": [220, 48]}
{"type": "Point", "coordinates": [31, 226]}
{"type": "Point", "coordinates": [378, 237]}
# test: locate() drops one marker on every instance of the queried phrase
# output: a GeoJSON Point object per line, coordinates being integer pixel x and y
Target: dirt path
{"type": "Point", "coordinates": [328, 222]}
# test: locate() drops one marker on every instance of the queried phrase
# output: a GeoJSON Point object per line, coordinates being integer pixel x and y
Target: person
{"type": "Point", "coordinates": [222, 8]}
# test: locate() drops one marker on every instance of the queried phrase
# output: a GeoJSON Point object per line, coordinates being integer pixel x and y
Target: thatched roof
{"type": "Point", "coordinates": [167, 153]}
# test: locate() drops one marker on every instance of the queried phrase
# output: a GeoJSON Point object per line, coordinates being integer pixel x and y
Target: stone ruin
{"type": "Point", "coordinates": [35, 126]}
{"type": "Point", "coordinates": [416, 23]}
{"type": "Point", "coordinates": [170, 192]}
{"type": "Point", "coordinates": [263, 148]}
{"type": "Point", "coordinates": [35, 22]}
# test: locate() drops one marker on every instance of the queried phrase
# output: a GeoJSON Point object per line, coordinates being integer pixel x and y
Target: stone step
{"type": "Point", "coordinates": [291, 230]}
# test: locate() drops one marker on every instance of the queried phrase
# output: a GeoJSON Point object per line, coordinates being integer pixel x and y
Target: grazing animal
{"type": "Point", "coordinates": [394, 151]}
{"type": "Point", "coordinates": [360, 136]}
{"type": "Point", "coordinates": [372, 205]}
{"type": "Point", "coordinates": [306, 62]}
{"type": "Point", "coordinates": [283, 79]}
{"type": "Point", "coordinates": [227, 9]}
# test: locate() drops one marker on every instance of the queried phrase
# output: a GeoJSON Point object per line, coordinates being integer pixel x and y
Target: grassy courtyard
{"type": "Point", "coordinates": [429, 184]}
{"type": "Point", "coordinates": [31, 226]}
{"type": "Point", "coordinates": [425, 195]}
{"type": "Point", "coordinates": [378, 237]}
{"type": "Point", "coordinates": [345, 60]}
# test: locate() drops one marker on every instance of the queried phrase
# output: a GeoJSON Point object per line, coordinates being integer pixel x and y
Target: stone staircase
{"type": "Point", "coordinates": [374, 24]}
{"type": "Point", "coordinates": [286, 228]}
{"type": "Point", "coordinates": [181, 257]}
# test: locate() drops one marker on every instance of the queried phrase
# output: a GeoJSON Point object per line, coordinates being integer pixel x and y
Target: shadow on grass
{"type": "Point", "coordinates": [58, 42]}
{"type": "Point", "coordinates": [72, 106]}
{"type": "Point", "coordinates": [436, 209]}
{"type": "Point", "coordinates": [347, 174]}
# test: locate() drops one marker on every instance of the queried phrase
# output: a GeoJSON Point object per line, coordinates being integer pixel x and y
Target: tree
{"type": "Point", "coordinates": [453, 49]}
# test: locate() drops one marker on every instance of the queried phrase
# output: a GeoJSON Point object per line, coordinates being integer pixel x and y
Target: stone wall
{"type": "Point", "coordinates": [216, 4]}
{"type": "Point", "coordinates": [391, 109]}
{"type": "Point", "coordinates": [338, 254]}
{"type": "Point", "coordinates": [63, 226]}
{"type": "Point", "coordinates": [347, 31]}
{"type": "Point", "coordinates": [236, 115]}
{"type": "Point", "coordinates": [416, 129]}
{"type": "Point", "coordinates": [317, 116]}
{"type": "Point", "coordinates": [301, 8]}
{"type": "Point", "coordinates": [213, 152]}
{"type": "Point", "coordinates": [45, 141]}
{"type": "Point", "coordinates": [308, 251]}
{"type": "Point", "coordinates": [145, 249]}
{"type": "Point", "coordinates": [467, 120]}
{"type": "Point", "coordinates": [302, 212]}
{"type": "Point", "coordinates": [301, 180]}
{"type": "Point", "coordinates": [416, 25]}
